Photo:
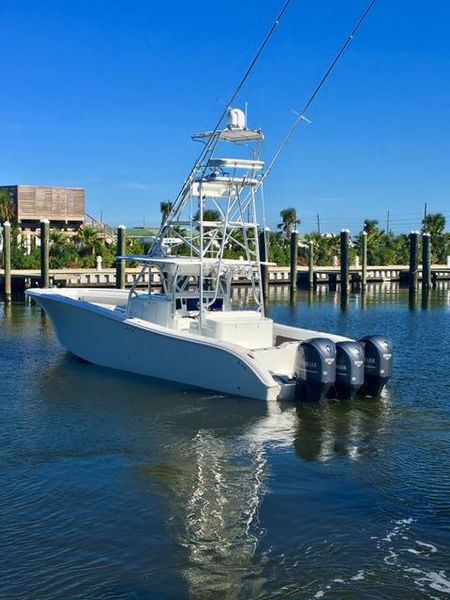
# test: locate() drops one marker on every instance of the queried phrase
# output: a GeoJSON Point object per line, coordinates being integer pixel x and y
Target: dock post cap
{"type": "Point", "coordinates": [6, 224]}
{"type": "Point", "coordinates": [415, 231]}
{"type": "Point", "coordinates": [364, 232]}
{"type": "Point", "coordinates": [44, 221]}
{"type": "Point", "coordinates": [266, 228]}
{"type": "Point", "coordinates": [426, 233]}
{"type": "Point", "coordinates": [122, 227]}
{"type": "Point", "coordinates": [345, 230]}
{"type": "Point", "coordinates": [295, 231]}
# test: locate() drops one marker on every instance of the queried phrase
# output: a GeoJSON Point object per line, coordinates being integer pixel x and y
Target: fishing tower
{"type": "Point", "coordinates": [212, 225]}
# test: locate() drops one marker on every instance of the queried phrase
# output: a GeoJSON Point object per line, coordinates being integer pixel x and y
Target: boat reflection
{"type": "Point", "coordinates": [207, 458]}
{"type": "Point", "coordinates": [15, 317]}
{"type": "Point", "coordinates": [215, 500]}
{"type": "Point", "coordinates": [341, 429]}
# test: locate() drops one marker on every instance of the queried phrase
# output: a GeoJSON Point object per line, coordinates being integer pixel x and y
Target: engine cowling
{"type": "Point", "coordinates": [315, 369]}
{"type": "Point", "coordinates": [349, 369]}
{"type": "Point", "coordinates": [378, 355]}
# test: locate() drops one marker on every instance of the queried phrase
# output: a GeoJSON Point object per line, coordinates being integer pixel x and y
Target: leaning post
{"type": "Point", "coordinates": [413, 261]}
{"type": "Point", "coordinates": [311, 264]}
{"type": "Point", "coordinates": [426, 261]}
{"type": "Point", "coordinates": [294, 257]}
{"type": "Point", "coordinates": [7, 259]}
{"type": "Point", "coordinates": [345, 242]}
{"type": "Point", "coordinates": [45, 233]}
{"type": "Point", "coordinates": [120, 264]}
{"type": "Point", "coordinates": [364, 259]}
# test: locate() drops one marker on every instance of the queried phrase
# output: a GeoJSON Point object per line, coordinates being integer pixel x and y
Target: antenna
{"type": "Point", "coordinates": [301, 115]}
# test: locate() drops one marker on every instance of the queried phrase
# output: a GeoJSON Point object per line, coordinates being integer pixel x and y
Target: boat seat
{"type": "Point", "coordinates": [245, 328]}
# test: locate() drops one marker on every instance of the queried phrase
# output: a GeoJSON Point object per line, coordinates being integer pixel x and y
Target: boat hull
{"type": "Point", "coordinates": [107, 338]}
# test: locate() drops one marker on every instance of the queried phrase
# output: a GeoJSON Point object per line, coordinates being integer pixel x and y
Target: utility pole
{"type": "Point", "coordinates": [387, 223]}
{"type": "Point", "coordinates": [318, 223]}
{"type": "Point", "coordinates": [425, 211]}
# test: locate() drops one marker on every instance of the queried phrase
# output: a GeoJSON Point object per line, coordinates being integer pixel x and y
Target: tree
{"type": "Point", "coordinates": [165, 208]}
{"type": "Point", "coordinates": [326, 247]}
{"type": "Point", "coordinates": [6, 208]}
{"type": "Point", "coordinates": [434, 224]}
{"type": "Point", "coordinates": [375, 242]}
{"type": "Point", "coordinates": [89, 241]}
{"type": "Point", "coordinates": [62, 253]}
{"type": "Point", "coordinates": [371, 226]}
{"type": "Point", "coordinates": [279, 250]}
{"type": "Point", "coordinates": [58, 240]}
{"type": "Point", "coordinates": [209, 214]}
{"type": "Point", "coordinates": [289, 220]}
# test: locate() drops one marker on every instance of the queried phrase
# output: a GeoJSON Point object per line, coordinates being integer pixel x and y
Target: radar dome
{"type": "Point", "coordinates": [236, 118]}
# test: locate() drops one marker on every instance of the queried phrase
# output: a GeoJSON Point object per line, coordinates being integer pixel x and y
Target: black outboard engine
{"type": "Point", "coordinates": [349, 369]}
{"type": "Point", "coordinates": [377, 363]}
{"type": "Point", "coordinates": [315, 369]}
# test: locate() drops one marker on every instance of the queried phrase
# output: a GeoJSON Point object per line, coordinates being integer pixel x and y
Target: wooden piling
{"type": "Point", "coordinates": [426, 261]}
{"type": "Point", "coordinates": [7, 259]}
{"type": "Point", "coordinates": [413, 261]}
{"type": "Point", "coordinates": [120, 264]}
{"type": "Point", "coordinates": [364, 259]}
{"type": "Point", "coordinates": [45, 233]}
{"type": "Point", "coordinates": [263, 257]}
{"type": "Point", "coordinates": [345, 242]}
{"type": "Point", "coordinates": [311, 264]}
{"type": "Point", "coordinates": [293, 262]}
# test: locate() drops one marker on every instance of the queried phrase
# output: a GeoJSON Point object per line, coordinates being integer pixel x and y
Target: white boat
{"type": "Point", "coordinates": [187, 329]}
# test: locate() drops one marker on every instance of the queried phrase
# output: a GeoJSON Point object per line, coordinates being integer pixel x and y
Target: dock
{"type": "Point", "coordinates": [330, 276]}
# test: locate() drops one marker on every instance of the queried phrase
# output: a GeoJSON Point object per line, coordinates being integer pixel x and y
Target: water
{"type": "Point", "coordinates": [114, 486]}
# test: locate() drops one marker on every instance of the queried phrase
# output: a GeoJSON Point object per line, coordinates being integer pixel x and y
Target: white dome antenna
{"type": "Point", "coordinates": [236, 119]}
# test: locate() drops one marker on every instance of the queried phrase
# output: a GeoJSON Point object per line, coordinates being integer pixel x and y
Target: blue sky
{"type": "Point", "coordinates": [105, 95]}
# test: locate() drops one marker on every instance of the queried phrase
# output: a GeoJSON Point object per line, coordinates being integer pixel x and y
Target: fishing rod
{"type": "Point", "coordinates": [213, 139]}
{"type": "Point", "coordinates": [302, 115]}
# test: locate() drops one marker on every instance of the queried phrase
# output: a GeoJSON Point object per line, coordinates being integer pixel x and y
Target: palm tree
{"type": "Point", "coordinates": [370, 226]}
{"type": "Point", "coordinates": [58, 239]}
{"type": "Point", "coordinates": [6, 208]}
{"type": "Point", "coordinates": [89, 240]}
{"type": "Point", "coordinates": [289, 217]}
{"type": "Point", "coordinates": [209, 214]}
{"type": "Point", "coordinates": [165, 208]}
{"type": "Point", "coordinates": [434, 224]}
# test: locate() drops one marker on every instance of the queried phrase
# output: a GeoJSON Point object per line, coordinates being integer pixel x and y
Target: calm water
{"type": "Point", "coordinates": [114, 486]}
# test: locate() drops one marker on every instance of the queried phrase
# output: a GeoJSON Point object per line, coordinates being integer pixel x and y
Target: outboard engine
{"type": "Point", "coordinates": [377, 363]}
{"type": "Point", "coordinates": [349, 369]}
{"type": "Point", "coordinates": [315, 369]}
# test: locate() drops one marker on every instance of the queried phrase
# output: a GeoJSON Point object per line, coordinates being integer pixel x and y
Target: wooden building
{"type": "Point", "coordinates": [63, 207]}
